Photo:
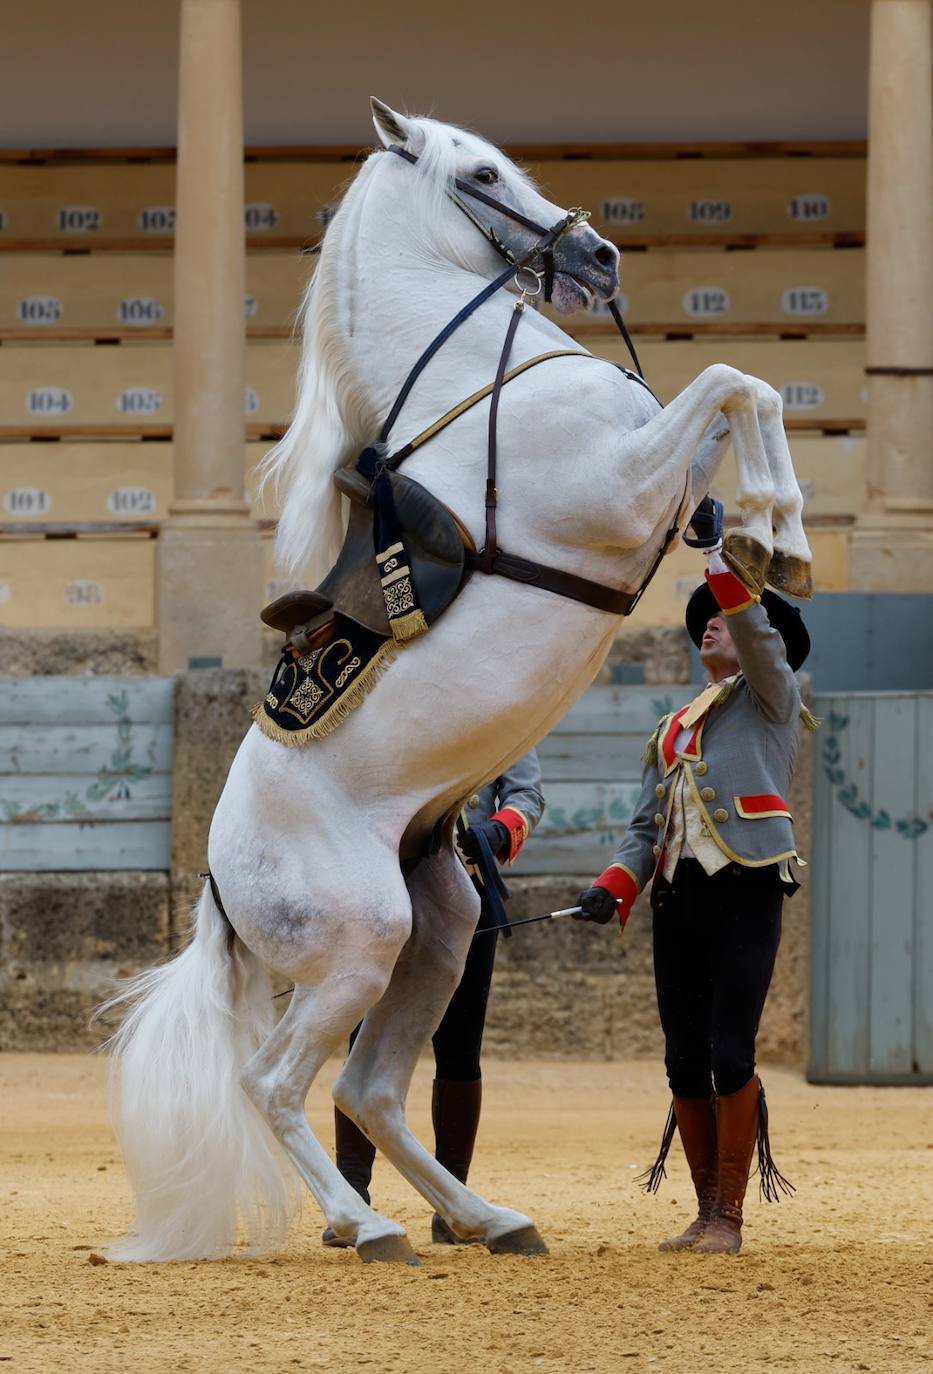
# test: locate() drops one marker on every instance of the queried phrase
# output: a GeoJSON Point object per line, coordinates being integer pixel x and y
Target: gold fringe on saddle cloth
{"type": "Point", "coordinates": [312, 694]}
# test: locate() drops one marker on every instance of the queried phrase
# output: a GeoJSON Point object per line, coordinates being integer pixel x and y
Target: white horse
{"type": "Point", "coordinates": [307, 845]}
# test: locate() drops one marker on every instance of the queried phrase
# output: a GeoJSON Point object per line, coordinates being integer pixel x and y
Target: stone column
{"type": "Point", "coordinates": [892, 544]}
{"type": "Point", "coordinates": [209, 550]}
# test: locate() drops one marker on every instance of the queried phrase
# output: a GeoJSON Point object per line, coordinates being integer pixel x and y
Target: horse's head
{"type": "Point", "coordinates": [477, 208]}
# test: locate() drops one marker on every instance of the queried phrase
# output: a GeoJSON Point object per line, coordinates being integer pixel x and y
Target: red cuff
{"type": "Point", "coordinates": [730, 592]}
{"type": "Point", "coordinates": [623, 885]}
{"type": "Point", "coordinates": [517, 826]}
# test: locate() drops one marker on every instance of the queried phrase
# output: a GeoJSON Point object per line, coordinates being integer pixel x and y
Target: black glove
{"type": "Point", "coordinates": [496, 834]}
{"type": "Point", "coordinates": [597, 904]}
{"type": "Point", "coordinates": [706, 523]}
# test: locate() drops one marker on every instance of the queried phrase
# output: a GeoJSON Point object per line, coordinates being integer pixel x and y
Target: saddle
{"type": "Point", "coordinates": [436, 542]}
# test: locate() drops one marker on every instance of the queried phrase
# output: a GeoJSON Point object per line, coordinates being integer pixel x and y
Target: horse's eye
{"type": "Point", "coordinates": [487, 176]}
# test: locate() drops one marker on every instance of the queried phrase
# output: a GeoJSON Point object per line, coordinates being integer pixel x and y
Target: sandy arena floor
{"type": "Point", "coordinates": [840, 1278]}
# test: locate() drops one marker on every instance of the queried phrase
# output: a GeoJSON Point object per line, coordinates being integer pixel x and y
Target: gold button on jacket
{"type": "Point", "coordinates": [702, 767]}
{"type": "Point", "coordinates": [720, 814]}
{"type": "Point", "coordinates": [656, 851]}
{"type": "Point", "coordinates": [659, 819]}
{"type": "Point", "coordinates": [660, 790]}
{"type": "Point", "coordinates": [474, 800]}
{"type": "Point", "coordinates": [707, 794]}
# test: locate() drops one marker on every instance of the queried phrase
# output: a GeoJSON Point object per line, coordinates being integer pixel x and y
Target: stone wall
{"type": "Point", "coordinates": [562, 989]}
{"type": "Point", "coordinates": [64, 940]}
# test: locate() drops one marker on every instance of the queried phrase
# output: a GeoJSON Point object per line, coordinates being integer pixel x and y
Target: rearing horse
{"type": "Point", "coordinates": [322, 854]}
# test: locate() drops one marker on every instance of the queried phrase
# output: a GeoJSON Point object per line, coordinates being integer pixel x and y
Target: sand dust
{"type": "Point", "coordinates": [840, 1278]}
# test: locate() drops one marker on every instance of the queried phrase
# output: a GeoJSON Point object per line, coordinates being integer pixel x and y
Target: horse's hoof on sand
{"type": "Point", "coordinates": [387, 1250]}
{"type": "Point", "coordinates": [790, 574]}
{"type": "Point", "coordinates": [524, 1241]}
{"type": "Point", "coordinates": [330, 1238]}
{"type": "Point", "coordinates": [748, 559]}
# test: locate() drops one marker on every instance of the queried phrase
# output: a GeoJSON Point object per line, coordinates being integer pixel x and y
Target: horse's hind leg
{"type": "Point", "coordinates": [374, 1082]}
{"type": "Point", "coordinates": [277, 1080]}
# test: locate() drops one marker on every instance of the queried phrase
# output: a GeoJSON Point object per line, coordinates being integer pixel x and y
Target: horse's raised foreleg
{"type": "Point", "coordinates": [373, 1084]}
{"type": "Point", "coordinates": [789, 569]}
{"type": "Point", "coordinates": [278, 1077]}
{"type": "Point", "coordinates": [669, 444]}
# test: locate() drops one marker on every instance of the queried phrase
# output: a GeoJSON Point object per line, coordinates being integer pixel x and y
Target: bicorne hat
{"type": "Point", "coordinates": [785, 618]}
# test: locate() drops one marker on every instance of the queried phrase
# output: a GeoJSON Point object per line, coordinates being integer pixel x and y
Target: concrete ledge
{"type": "Point", "coordinates": [64, 939]}
{"type": "Point", "coordinates": [40, 653]}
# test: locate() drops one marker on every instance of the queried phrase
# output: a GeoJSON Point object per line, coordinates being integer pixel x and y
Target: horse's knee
{"type": "Point", "coordinates": [372, 1105]}
{"type": "Point", "coordinates": [734, 389]}
{"type": "Point", "coordinates": [768, 401]}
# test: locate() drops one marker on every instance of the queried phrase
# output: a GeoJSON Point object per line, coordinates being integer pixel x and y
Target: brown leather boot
{"type": "Point", "coordinates": [696, 1123]}
{"type": "Point", "coordinates": [355, 1155]}
{"type": "Point", "coordinates": [455, 1111]}
{"type": "Point", "coordinates": [737, 1130]}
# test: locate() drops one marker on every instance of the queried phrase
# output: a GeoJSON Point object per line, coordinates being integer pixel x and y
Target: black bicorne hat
{"type": "Point", "coordinates": [785, 618]}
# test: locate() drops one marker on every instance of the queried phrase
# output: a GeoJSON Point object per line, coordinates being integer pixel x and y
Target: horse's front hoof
{"type": "Point", "coordinates": [789, 573]}
{"type": "Point", "coordinates": [524, 1241]}
{"type": "Point", "coordinates": [387, 1250]}
{"type": "Point", "coordinates": [748, 559]}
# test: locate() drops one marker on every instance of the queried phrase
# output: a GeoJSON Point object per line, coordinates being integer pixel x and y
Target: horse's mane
{"type": "Point", "coordinates": [333, 419]}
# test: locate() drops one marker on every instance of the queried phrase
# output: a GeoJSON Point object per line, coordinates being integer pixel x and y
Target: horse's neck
{"type": "Point", "coordinates": [399, 302]}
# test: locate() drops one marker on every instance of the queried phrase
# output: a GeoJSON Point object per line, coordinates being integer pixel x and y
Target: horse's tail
{"type": "Point", "coordinates": [205, 1168]}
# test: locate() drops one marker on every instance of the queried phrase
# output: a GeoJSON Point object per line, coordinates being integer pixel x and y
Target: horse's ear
{"type": "Point", "coordinates": [395, 128]}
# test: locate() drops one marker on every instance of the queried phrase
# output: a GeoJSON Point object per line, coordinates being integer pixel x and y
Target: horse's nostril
{"type": "Point", "coordinates": [605, 255]}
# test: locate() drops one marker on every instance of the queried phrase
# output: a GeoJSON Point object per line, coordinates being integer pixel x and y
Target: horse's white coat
{"type": "Point", "coordinates": [305, 844]}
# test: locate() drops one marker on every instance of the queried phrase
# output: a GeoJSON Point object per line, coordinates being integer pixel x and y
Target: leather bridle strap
{"type": "Point", "coordinates": [546, 249]}
{"type": "Point", "coordinates": [492, 496]}
{"type": "Point", "coordinates": [489, 290]}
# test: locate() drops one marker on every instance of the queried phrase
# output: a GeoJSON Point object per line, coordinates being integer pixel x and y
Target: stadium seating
{"type": "Point", "coordinates": [747, 255]}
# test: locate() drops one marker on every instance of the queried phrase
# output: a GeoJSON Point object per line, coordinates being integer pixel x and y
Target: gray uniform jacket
{"type": "Point", "coordinates": [738, 765]}
{"type": "Point", "coordinates": [518, 788]}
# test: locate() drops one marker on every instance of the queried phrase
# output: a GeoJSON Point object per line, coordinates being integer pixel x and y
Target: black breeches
{"type": "Point", "coordinates": [459, 1037]}
{"type": "Point", "coordinates": [715, 942]}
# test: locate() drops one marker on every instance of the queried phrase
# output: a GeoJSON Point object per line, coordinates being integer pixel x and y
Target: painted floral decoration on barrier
{"type": "Point", "coordinates": [910, 827]}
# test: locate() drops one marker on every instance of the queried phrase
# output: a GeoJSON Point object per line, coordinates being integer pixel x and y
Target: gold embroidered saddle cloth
{"type": "Point", "coordinates": [342, 636]}
{"type": "Point", "coordinates": [313, 691]}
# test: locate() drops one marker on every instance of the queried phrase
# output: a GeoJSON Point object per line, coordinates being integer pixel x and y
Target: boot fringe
{"type": "Point", "coordinates": [771, 1182]}
{"type": "Point", "coordinates": [650, 1180]}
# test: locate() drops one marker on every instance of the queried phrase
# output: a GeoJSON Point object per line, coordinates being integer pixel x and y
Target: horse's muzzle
{"type": "Point", "coordinates": [586, 269]}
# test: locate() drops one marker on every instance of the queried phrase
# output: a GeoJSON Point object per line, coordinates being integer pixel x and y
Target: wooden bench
{"type": "Point", "coordinates": [127, 296]}
{"type": "Point", "coordinates": [79, 389]}
{"type": "Point", "coordinates": [103, 578]}
{"type": "Point", "coordinates": [130, 295]}
{"type": "Point", "coordinates": [769, 291]}
{"type": "Point", "coordinates": [638, 194]}
{"type": "Point", "coordinates": [76, 484]}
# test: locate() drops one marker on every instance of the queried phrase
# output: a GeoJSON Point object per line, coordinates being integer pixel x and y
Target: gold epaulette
{"type": "Point", "coordinates": [651, 748]}
{"type": "Point", "coordinates": [811, 721]}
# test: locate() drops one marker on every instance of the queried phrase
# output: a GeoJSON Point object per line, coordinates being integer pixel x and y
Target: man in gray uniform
{"type": "Point", "coordinates": [713, 830]}
{"type": "Point", "coordinates": [493, 826]}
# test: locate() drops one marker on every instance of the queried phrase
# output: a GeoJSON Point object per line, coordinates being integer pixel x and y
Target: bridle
{"type": "Point", "coordinates": [376, 462]}
{"type": "Point", "coordinates": [548, 241]}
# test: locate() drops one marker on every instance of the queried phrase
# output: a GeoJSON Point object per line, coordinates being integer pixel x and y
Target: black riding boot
{"type": "Point", "coordinates": [355, 1155]}
{"type": "Point", "coordinates": [455, 1111]}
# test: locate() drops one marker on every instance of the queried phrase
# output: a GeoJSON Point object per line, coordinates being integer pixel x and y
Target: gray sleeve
{"type": "Point", "coordinates": [636, 851]}
{"type": "Point", "coordinates": [520, 787]}
{"type": "Point", "coordinates": [764, 664]}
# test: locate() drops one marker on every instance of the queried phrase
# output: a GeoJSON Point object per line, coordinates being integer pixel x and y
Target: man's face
{"type": "Point", "coordinates": [717, 648]}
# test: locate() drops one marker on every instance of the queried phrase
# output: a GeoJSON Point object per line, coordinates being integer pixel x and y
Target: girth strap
{"type": "Point", "coordinates": [553, 580]}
